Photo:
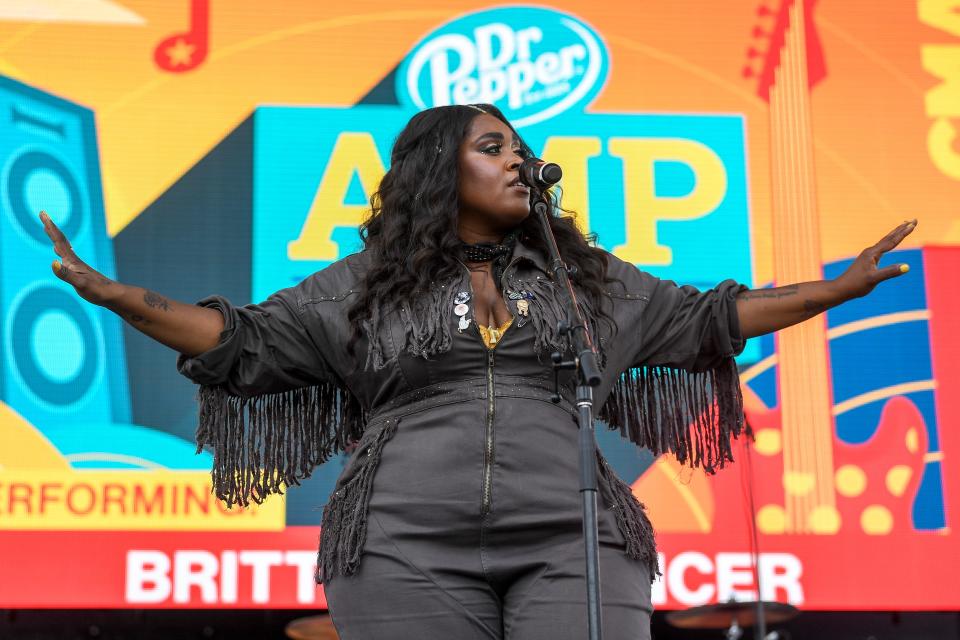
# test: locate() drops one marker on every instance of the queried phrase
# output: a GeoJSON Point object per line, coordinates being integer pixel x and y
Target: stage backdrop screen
{"type": "Point", "coordinates": [197, 148]}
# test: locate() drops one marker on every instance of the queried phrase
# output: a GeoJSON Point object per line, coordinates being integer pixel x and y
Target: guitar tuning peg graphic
{"type": "Point", "coordinates": [758, 32]}
{"type": "Point", "coordinates": [763, 11]}
{"type": "Point", "coordinates": [748, 70]}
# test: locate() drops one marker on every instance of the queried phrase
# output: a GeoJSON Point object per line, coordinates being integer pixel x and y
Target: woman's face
{"type": "Point", "coordinates": [492, 200]}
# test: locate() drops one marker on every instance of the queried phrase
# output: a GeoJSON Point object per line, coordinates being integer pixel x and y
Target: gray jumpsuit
{"type": "Point", "coordinates": [458, 513]}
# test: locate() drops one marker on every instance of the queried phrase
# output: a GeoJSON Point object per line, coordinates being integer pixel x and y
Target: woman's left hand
{"type": "Point", "coordinates": [767, 310]}
{"type": "Point", "coordinates": [864, 274]}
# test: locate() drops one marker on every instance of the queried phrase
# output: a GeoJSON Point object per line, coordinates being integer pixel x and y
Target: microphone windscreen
{"type": "Point", "coordinates": [551, 173]}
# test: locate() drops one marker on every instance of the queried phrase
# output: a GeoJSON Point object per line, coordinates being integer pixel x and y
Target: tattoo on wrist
{"type": "Point", "coordinates": [779, 292]}
{"type": "Point", "coordinates": [156, 301]}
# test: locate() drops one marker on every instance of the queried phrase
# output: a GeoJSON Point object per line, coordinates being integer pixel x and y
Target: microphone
{"type": "Point", "coordinates": [540, 175]}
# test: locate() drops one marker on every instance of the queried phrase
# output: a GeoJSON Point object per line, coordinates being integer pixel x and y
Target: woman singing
{"type": "Point", "coordinates": [427, 356]}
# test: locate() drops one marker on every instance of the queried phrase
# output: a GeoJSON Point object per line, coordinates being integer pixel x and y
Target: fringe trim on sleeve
{"type": "Point", "coordinates": [694, 416]}
{"type": "Point", "coordinates": [264, 443]}
{"type": "Point", "coordinates": [632, 519]}
{"type": "Point", "coordinates": [344, 527]}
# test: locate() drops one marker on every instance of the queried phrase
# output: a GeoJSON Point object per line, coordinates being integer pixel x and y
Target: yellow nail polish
{"type": "Point", "coordinates": [56, 266]}
{"type": "Point", "coordinates": [904, 268]}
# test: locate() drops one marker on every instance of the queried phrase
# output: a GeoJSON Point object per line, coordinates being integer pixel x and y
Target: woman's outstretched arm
{"type": "Point", "coordinates": [186, 328]}
{"type": "Point", "coordinates": [766, 310]}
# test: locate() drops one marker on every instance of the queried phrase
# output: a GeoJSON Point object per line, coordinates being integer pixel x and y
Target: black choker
{"type": "Point", "coordinates": [486, 251]}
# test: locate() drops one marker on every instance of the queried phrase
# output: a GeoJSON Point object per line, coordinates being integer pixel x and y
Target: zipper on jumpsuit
{"type": "Point", "coordinates": [488, 452]}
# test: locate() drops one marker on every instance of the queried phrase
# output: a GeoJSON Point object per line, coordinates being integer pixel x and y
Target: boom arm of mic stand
{"type": "Point", "coordinates": [583, 346]}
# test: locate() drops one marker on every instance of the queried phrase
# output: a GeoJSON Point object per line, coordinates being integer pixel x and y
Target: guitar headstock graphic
{"type": "Point", "coordinates": [775, 45]}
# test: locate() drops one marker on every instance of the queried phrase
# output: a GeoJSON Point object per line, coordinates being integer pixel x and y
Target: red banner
{"type": "Point", "coordinates": [138, 570]}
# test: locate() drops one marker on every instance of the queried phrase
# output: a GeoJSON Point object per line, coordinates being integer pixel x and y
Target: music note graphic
{"type": "Point", "coordinates": [186, 51]}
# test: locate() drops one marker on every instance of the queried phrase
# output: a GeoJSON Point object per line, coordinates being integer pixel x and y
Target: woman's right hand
{"type": "Point", "coordinates": [89, 283]}
{"type": "Point", "coordinates": [187, 328]}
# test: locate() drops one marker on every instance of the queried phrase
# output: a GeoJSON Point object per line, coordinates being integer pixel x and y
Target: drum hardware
{"type": "Point", "coordinates": [734, 616]}
{"type": "Point", "coordinates": [311, 628]}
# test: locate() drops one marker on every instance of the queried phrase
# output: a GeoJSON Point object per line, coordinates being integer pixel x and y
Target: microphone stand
{"type": "Point", "coordinates": [588, 376]}
{"type": "Point", "coordinates": [761, 625]}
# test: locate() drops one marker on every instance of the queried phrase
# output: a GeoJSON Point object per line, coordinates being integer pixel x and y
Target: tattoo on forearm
{"type": "Point", "coordinates": [138, 319]}
{"type": "Point", "coordinates": [779, 292]}
{"type": "Point", "coordinates": [156, 301]}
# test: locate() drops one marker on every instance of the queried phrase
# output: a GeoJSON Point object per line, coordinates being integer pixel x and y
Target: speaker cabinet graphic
{"type": "Point", "coordinates": [62, 357]}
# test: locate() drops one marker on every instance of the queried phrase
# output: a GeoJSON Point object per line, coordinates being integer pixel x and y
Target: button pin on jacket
{"type": "Point", "coordinates": [461, 310]}
{"type": "Point", "coordinates": [519, 295]}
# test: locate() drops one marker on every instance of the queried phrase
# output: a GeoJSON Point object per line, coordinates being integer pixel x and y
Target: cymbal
{"type": "Point", "coordinates": [311, 628]}
{"type": "Point", "coordinates": [723, 614]}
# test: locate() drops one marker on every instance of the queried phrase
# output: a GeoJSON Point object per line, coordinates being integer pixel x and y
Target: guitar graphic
{"type": "Point", "coordinates": [827, 485]}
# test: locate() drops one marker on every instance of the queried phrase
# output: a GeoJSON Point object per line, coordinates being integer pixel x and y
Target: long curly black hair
{"type": "Point", "coordinates": [411, 232]}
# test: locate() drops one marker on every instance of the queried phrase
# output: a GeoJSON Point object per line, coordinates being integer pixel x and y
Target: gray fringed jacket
{"type": "Point", "coordinates": [279, 394]}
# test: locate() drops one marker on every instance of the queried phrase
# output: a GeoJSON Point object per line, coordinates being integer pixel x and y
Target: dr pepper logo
{"type": "Point", "coordinates": [533, 63]}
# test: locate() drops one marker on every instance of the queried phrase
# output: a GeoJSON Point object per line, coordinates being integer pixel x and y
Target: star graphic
{"type": "Point", "coordinates": [180, 53]}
